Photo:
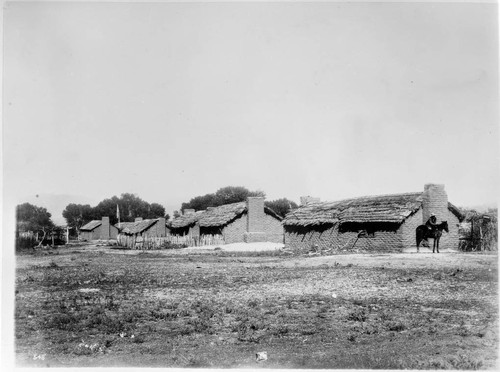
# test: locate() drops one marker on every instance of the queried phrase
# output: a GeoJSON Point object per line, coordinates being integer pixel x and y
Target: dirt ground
{"type": "Point", "coordinates": [94, 306]}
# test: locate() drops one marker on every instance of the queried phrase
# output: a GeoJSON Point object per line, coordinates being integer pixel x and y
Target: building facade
{"type": "Point", "coordinates": [383, 223]}
{"type": "Point", "coordinates": [98, 230]}
{"type": "Point", "coordinates": [151, 228]}
{"type": "Point", "coordinates": [248, 221]}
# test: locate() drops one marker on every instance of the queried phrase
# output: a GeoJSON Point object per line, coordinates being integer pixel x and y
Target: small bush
{"type": "Point", "coordinates": [396, 326]}
{"type": "Point", "coordinates": [253, 303]}
{"type": "Point", "coordinates": [25, 243]}
{"type": "Point", "coordinates": [280, 330]}
{"type": "Point", "coordinates": [463, 331]}
{"type": "Point", "coordinates": [359, 302]}
{"type": "Point", "coordinates": [169, 245]}
{"type": "Point", "coordinates": [351, 337]}
{"type": "Point", "coordinates": [308, 331]}
{"type": "Point", "coordinates": [65, 322]}
{"type": "Point", "coordinates": [358, 315]}
{"type": "Point", "coordinates": [201, 325]}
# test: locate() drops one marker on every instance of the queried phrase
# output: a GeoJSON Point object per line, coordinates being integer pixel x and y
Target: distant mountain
{"type": "Point", "coordinates": [56, 203]}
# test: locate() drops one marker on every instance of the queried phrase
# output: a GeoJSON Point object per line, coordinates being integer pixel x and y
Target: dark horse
{"type": "Point", "coordinates": [423, 232]}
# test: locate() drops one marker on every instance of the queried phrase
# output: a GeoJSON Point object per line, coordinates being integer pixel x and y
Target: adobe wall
{"type": "Point", "coordinates": [273, 229]}
{"type": "Point", "coordinates": [450, 240]}
{"type": "Point", "coordinates": [381, 241]}
{"type": "Point", "coordinates": [236, 231]}
{"type": "Point", "coordinates": [91, 235]}
{"type": "Point", "coordinates": [99, 234]}
{"type": "Point", "coordinates": [158, 229]}
{"type": "Point", "coordinates": [113, 232]}
{"type": "Point", "coordinates": [233, 233]}
{"type": "Point", "coordinates": [408, 234]}
{"type": "Point", "coordinates": [326, 239]}
{"type": "Point", "coordinates": [150, 232]}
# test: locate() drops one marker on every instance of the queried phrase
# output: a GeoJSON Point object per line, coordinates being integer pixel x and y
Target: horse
{"type": "Point", "coordinates": [423, 232]}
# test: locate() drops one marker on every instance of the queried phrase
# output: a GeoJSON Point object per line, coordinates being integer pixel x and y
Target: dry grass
{"type": "Point", "coordinates": [218, 310]}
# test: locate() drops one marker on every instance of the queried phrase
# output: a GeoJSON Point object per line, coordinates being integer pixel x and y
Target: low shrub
{"type": "Point", "coordinates": [358, 315]}
{"type": "Point", "coordinates": [396, 326]}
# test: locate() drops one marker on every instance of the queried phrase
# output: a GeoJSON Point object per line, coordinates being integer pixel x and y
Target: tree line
{"type": "Point", "coordinates": [235, 194]}
{"type": "Point", "coordinates": [127, 208]}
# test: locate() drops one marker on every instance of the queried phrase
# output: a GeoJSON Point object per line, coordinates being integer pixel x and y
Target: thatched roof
{"type": "Point", "coordinates": [122, 225]}
{"type": "Point", "coordinates": [185, 220]}
{"type": "Point", "coordinates": [270, 212]}
{"type": "Point", "coordinates": [453, 209]}
{"type": "Point", "coordinates": [384, 208]}
{"type": "Point", "coordinates": [217, 216]}
{"type": "Point", "coordinates": [138, 227]}
{"type": "Point", "coordinates": [220, 216]}
{"type": "Point", "coordinates": [91, 225]}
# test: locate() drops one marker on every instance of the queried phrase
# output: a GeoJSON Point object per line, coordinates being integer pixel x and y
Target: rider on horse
{"type": "Point", "coordinates": [431, 223]}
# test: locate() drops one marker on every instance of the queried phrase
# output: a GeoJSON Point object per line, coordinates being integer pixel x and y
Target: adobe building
{"type": "Point", "coordinates": [249, 221]}
{"type": "Point", "coordinates": [98, 230]}
{"type": "Point", "coordinates": [152, 228]}
{"type": "Point", "coordinates": [383, 223]}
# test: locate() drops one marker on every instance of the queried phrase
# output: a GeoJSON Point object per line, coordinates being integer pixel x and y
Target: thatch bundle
{"type": "Point", "coordinates": [384, 208]}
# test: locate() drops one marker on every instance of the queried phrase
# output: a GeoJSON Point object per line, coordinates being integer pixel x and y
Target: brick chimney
{"type": "Point", "coordinates": [255, 209]}
{"type": "Point", "coordinates": [161, 227]}
{"type": "Point", "coordinates": [138, 219]}
{"type": "Point", "coordinates": [435, 200]}
{"type": "Point", "coordinates": [255, 220]}
{"type": "Point", "coordinates": [105, 228]}
{"type": "Point", "coordinates": [304, 200]}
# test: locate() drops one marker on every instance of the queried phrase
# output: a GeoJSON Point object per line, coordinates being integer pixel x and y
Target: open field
{"type": "Point", "coordinates": [94, 306]}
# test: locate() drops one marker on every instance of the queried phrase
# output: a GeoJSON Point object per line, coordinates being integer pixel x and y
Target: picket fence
{"type": "Point", "coordinates": [167, 242]}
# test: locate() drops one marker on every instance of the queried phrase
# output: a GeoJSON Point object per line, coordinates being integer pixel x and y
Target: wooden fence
{"type": "Point", "coordinates": [168, 242]}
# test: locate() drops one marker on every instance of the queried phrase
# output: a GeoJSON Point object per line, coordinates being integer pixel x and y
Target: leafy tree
{"type": "Point", "coordinates": [107, 207]}
{"type": "Point", "coordinates": [77, 215]}
{"type": "Point", "coordinates": [156, 210]}
{"type": "Point", "coordinates": [33, 218]}
{"type": "Point", "coordinates": [281, 206]}
{"type": "Point", "coordinates": [201, 202]}
{"type": "Point", "coordinates": [225, 195]}
{"type": "Point", "coordinates": [130, 207]}
{"type": "Point", "coordinates": [234, 194]}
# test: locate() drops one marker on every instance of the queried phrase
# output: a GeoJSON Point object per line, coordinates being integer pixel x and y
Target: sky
{"type": "Point", "coordinates": [171, 101]}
